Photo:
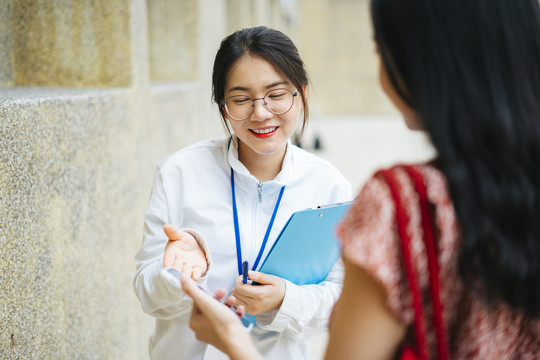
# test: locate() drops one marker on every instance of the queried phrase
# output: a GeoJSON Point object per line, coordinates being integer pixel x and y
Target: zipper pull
{"type": "Point", "coordinates": [259, 190]}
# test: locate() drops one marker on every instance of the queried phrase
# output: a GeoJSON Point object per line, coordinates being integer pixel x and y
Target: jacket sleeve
{"type": "Point", "coordinates": [160, 295]}
{"type": "Point", "coordinates": [305, 309]}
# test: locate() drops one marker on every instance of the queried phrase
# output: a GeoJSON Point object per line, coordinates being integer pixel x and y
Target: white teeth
{"type": "Point", "coordinates": [264, 131]}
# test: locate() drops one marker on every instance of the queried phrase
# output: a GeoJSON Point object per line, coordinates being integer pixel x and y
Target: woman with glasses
{"type": "Point", "coordinates": [221, 202]}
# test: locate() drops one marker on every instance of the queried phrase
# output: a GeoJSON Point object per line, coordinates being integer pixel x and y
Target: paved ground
{"type": "Point", "coordinates": [358, 146]}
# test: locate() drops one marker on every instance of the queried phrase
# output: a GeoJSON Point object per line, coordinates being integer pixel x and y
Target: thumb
{"type": "Point", "coordinates": [171, 232]}
{"type": "Point", "coordinates": [263, 278]}
{"type": "Point", "coordinates": [193, 291]}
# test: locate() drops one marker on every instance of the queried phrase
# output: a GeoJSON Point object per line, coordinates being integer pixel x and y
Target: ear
{"type": "Point", "coordinates": [223, 112]}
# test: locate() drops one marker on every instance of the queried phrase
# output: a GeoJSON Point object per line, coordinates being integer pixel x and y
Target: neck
{"type": "Point", "coordinates": [263, 167]}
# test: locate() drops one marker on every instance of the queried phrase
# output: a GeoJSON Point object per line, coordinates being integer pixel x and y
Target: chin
{"type": "Point", "coordinates": [270, 148]}
{"type": "Point", "coordinates": [268, 151]}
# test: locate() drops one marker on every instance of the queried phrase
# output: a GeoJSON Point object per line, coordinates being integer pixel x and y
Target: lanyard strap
{"type": "Point", "coordinates": [237, 230]}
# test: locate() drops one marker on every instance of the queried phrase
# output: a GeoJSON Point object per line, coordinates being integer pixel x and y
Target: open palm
{"type": "Point", "coordinates": [183, 253]}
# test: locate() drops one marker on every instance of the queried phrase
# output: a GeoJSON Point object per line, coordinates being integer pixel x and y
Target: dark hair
{"type": "Point", "coordinates": [471, 70]}
{"type": "Point", "coordinates": [271, 44]}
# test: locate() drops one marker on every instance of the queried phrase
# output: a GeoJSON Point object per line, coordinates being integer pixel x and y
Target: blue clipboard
{"type": "Point", "coordinates": [307, 247]}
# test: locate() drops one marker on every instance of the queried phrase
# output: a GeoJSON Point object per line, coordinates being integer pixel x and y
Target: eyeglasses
{"type": "Point", "coordinates": [277, 101]}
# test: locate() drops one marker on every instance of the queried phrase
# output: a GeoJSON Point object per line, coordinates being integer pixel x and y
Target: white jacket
{"type": "Point", "coordinates": [192, 191]}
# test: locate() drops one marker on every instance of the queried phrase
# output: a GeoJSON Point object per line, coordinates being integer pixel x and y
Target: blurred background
{"type": "Point", "coordinates": [93, 94]}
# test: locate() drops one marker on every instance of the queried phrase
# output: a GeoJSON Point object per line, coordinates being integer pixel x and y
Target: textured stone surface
{"type": "Point", "coordinates": [76, 165]}
{"type": "Point", "coordinates": [69, 199]}
{"type": "Point", "coordinates": [75, 175]}
{"type": "Point", "coordinates": [6, 44]}
{"type": "Point", "coordinates": [71, 43]}
{"type": "Point", "coordinates": [173, 54]}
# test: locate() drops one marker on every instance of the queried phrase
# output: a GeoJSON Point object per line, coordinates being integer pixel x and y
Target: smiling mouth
{"type": "Point", "coordinates": [265, 130]}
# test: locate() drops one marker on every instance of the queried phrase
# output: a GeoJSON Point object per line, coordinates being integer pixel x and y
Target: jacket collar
{"type": "Point", "coordinates": [242, 174]}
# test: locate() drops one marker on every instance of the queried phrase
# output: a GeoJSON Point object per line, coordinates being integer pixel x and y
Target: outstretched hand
{"type": "Point", "coordinates": [261, 298]}
{"type": "Point", "coordinates": [183, 253]}
{"type": "Point", "coordinates": [215, 324]}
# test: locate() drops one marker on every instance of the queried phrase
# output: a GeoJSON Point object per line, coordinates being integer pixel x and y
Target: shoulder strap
{"type": "Point", "coordinates": [431, 249]}
{"type": "Point", "coordinates": [402, 220]}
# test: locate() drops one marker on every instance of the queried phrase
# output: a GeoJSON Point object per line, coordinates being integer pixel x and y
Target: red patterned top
{"type": "Point", "coordinates": [370, 240]}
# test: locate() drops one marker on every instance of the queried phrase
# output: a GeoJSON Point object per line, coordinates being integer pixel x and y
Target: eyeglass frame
{"type": "Point", "coordinates": [265, 104]}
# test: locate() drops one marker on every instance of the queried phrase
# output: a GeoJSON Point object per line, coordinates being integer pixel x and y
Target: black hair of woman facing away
{"type": "Point", "coordinates": [481, 109]}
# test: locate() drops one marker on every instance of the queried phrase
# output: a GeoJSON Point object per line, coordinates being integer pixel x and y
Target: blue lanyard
{"type": "Point", "coordinates": [237, 231]}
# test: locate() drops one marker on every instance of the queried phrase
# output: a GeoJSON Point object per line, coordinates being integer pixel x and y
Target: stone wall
{"type": "Point", "coordinates": [92, 95]}
{"type": "Point", "coordinates": [336, 40]}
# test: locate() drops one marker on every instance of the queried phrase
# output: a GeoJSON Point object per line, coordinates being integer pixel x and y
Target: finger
{"type": "Point", "coordinates": [240, 302]}
{"type": "Point", "coordinates": [234, 292]}
{"type": "Point", "coordinates": [187, 269]}
{"type": "Point", "coordinates": [239, 283]}
{"type": "Point", "coordinates": [171, 232]}
{"type": "Point", "coordinates": [204, 304]}
{"type": "Point", "coordinates": [196, 273]}
{"type": "Point", "coordinates": [240, 310]}
{"type": "Point", "coordinates": [243, 294]}
{"type": "Point", "coordinates": [246, 291]}
{"type": "Point", "coordinates": [221, 293]}
{"type": "Point", "coordinates": [263, 278]}
{"type": "Point", "coordinates": [199, 297]}
{"type": "Point", "coordinates": [230, 301]}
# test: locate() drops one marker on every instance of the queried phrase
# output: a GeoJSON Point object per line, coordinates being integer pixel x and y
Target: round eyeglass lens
{"type": "Point", "coordinates": [277, 101]}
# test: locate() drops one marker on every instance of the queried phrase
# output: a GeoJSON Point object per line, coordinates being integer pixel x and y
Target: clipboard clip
{"type": "Point", "coordinates": [334, 204]}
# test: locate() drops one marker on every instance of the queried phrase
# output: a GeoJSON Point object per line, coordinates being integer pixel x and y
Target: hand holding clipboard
{"type": "Point", "coordinates": [307, 247]}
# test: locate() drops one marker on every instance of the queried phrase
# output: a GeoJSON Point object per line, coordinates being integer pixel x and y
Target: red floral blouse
{"type": "Point", "coordinates": [370, 240]}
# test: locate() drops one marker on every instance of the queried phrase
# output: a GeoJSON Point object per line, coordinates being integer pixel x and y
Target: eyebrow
{"type": "Point", "coordinates": [242, 88]}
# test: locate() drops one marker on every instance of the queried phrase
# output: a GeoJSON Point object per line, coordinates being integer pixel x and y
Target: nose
{"type": "Point", "coordinates": [260, 112]}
